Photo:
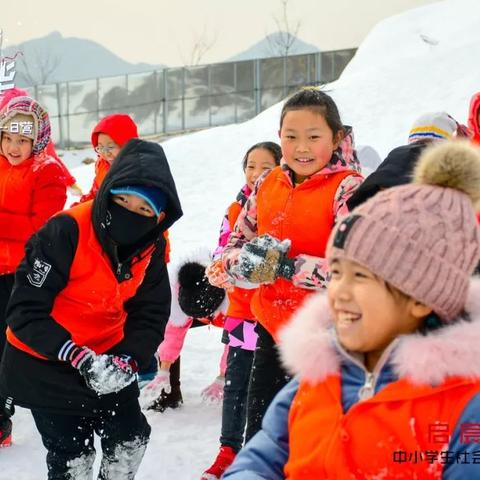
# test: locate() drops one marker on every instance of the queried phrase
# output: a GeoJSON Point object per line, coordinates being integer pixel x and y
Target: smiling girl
{"type": "Point", "coordinates": [280, 235]}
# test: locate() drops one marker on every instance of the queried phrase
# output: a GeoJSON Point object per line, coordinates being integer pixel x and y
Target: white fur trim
{"type": "Point", "coordinates": [202, 256]}
{"type": "Point", "coordinates": [307, 348]}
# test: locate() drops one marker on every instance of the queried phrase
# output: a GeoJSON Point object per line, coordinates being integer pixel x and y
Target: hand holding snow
{"type": "Point", "coordinates": [106, 374]}
{"type": "Point", "coordinates": [153, 390]}
{"type": "Point", "coordinates": [264, 259]}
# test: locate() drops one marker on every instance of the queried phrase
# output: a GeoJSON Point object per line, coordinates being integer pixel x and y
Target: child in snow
{"type": "Point", "coordinates": [280, 236]}
{"type": "Point", "coordinates": [474, 118]}
{"type": "Point", "coordinates": [70, 181]}
{"type": "Point", "coordinates": [399, 164]}
{"type": "Point", "coordinates": [239, 332]}
{"type": "Point", "coordinates": [109, 135]}
{"type": "Point", "coordinates": [387, 362]}
{"type": "Point", "coordinates": [32, 189]}
{"type": "Point", "coordinates": [195, 303]}
{"type": "Point", "coordinates": [89, 307]}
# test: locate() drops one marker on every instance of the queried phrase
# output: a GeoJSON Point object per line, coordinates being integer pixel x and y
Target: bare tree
{"type": "Point", "coordinates": [282, 42]}
{"type": "Point", "coordinates": [202, 43]}
{"type": "Point", "coordinates": [38, 67]}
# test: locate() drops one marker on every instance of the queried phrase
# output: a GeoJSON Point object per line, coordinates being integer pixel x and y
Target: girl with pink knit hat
{"type": "Point", "coordinates": [387, 362]}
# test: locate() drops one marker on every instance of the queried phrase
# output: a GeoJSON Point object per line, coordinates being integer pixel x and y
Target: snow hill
{"type": "Point", "coordinates": [410, 64]}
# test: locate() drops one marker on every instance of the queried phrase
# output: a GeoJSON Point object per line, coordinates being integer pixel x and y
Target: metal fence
{"type": "Point", "coordinates": [174, 100]}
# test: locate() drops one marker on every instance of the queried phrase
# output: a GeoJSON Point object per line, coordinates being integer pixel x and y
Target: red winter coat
{"type": "Point", "coordinates": [30, 193]}
{"type": "Point", "coordinates": [473, 123]}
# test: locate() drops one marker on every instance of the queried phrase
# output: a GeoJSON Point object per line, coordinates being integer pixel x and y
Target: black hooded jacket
{"type": "Point", "coordinates": [54, 385]}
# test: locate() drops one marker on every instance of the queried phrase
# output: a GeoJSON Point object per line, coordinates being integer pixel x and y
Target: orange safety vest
{"type": "Point", "coordinates": [376, 438]}
{"type": "Point", "coordinates": [304, 215]}
{"type": "Point", "coordinates": [91, 306]}
{"type": "Point", "coordinates": [240, 298]}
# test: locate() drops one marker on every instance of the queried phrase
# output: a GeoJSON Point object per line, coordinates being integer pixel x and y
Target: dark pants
{"type": "Point", "coordinates": [68, 439]}
{"type": "Point", "coordinates": [267, 378]}
{"type": "Point", "coordinates": [175, 375]}
{"type": "Point", "coordinates": [234, 411]}
{"type": "Point", "coordinates": [6, 285]}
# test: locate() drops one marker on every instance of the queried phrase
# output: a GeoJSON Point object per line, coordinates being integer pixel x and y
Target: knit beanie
{"type": "Point", "coordinates": [155, 197]}
{"type": "Point", "coordinates": [422, 238]}
{"type": "Point", "coordinates": [196, 296]}
{"type": "Point", "coordinates": [27, 110]}
{"type": "Point", "coordinates": [432, 126]}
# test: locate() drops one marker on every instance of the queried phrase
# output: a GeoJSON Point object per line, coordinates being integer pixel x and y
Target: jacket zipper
{"type": "Point", "coordinates": [368, 389]}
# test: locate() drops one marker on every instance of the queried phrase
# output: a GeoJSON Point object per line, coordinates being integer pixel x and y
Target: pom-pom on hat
{"type": "Point", "coordinates": [422, 238]}
{"type": "Point", "coordinates": [196, 296]}
{"type": "Point", "coordinates": [155, 197]}
{"type": "Point", "coordinates": [432, 126]}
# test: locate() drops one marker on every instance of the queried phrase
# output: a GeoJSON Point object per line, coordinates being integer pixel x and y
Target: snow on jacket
{"type": "Point", "coordinates": [74, 283]}
{"type": "Point", "coordinates": [305, 214]}
{"type": "Point", "coordinates": [404, 420]}
{"type": "Point", "coordinates": [473, 123]}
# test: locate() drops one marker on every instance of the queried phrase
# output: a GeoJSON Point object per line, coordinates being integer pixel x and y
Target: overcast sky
{"type": "Point", "coordinates": [159, 31]}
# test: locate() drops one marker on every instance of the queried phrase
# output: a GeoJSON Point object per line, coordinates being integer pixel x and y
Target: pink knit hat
{"type": "Point", "coordinates": [422, 238]}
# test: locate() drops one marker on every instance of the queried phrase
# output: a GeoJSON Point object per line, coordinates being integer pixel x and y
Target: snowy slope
{"type": "Point", "coordinates": [395, 77]}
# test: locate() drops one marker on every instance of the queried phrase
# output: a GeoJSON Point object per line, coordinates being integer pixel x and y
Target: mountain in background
{"type": "Point", "coordinates": [54, 58]}
{"type": "Point", "coordinates": [271, 46]}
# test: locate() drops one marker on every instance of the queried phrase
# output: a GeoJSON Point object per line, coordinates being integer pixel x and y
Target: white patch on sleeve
{"type": "Point", "coordinates": [39, 274]}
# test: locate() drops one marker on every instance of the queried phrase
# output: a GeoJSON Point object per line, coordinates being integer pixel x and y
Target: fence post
{"type": "Point", "coordinates": [318, 70]}
{"type": "Point", "coordinates": [68, 115]}
{"type": "Point", "coordinates": [209, 80]}
{"type": "Point", "coordinates": [235, 95]}
{"type": "Point", "coordinates": [165, 100]}
{"type": "Point", "coordinates": [257, 80]}
{"type": "Point", "coordinates": [183, 97]}
{"type": "Point", "coordinates": [59, 106]}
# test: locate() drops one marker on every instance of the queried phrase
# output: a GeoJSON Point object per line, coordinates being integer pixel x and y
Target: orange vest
{"type": "Point", "coordinates": [240, 298]}
{"type": "Point", "coordinates": [101, 169]}
{"type": "Point", "coordinates": [90, 307]}
{"type": "Point", "coordinates": [304, 215]}
{"type": "Point", "coordinates": [325, 443]}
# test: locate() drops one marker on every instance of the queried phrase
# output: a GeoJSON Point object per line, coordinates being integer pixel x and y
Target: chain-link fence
{"type": "Point", "coordinates": [180, 99]}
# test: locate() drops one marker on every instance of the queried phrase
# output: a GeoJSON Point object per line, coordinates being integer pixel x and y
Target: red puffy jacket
{"type": "Point", "coordinates": [473, 122]}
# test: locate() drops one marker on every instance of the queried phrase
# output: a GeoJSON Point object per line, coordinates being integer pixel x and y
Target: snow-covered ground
{"type": "Point", "coordinates": [420, 61]}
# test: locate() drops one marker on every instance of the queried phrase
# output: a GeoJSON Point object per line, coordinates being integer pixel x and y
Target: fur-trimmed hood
{"type": "Point", "coordinates": [308, 348]}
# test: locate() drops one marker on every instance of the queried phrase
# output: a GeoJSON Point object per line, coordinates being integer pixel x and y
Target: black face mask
{"type": "Point", "coordinates": [125, 227]}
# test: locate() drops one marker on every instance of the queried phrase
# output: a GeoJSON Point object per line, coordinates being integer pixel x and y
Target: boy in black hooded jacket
{"type": "Point", "coordinates": [88, 308]}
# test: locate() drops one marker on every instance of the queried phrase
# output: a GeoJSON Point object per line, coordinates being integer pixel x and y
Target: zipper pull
{"type": "Point", "coordinates": [119, 268]}
{"type": "Point", "coordinates": [367, 391]}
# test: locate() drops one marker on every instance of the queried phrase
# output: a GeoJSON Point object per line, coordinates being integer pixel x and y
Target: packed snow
{"type": "Point", "coordinates": [413, 63]}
